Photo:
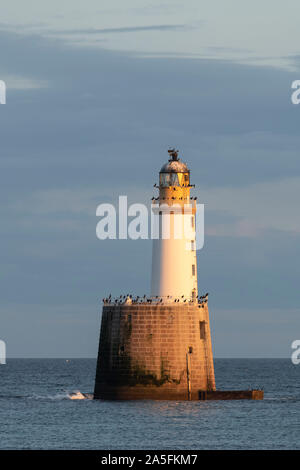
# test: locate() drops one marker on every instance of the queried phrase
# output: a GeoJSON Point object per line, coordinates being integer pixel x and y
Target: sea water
{"type": "Point", "coordinates": [36, 411]}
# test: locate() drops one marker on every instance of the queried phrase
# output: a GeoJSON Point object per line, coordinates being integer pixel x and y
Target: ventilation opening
{"type": "Point", "coordinates": [193, 270]}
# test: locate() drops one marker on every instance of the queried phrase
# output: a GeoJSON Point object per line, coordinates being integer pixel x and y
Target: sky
{"type": "Point", "coordinates": [96, 94]}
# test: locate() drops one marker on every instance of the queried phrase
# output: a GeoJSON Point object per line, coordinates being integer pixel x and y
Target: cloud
{"type": "Point", "coordinates": [127, 29]}
{"type": "Point", "coordinates": [258, 207]}
{"type": "Point", "coordinates": [101, 128]}
{"type": "Point", "coordinates": [22, 83]}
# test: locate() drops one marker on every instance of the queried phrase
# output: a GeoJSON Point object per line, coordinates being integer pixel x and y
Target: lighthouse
{"type": "Point", "coordinates": [159, 346]}
{"type": "Point", "coordinates": [174, 261]}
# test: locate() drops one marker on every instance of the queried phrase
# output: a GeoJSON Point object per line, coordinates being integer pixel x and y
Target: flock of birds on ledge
{"type": "Point", "coordinates": [129, 299]}
{"type": "Point", "coordinates": [165, 198]}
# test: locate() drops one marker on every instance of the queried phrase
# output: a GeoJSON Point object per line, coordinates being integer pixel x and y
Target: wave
{"type": "Point", "coordinates": [80, 396]}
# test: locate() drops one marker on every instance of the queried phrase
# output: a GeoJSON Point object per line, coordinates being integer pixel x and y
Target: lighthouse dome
{"type": "Point", "coordinates": [174, 166]}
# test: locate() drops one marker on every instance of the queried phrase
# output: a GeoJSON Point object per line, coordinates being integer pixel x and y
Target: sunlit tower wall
{"type": "Point", "coordinates": [159, 347]}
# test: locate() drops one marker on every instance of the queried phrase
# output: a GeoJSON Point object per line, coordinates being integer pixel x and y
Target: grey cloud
{"type": "Point", "coordinates": [129, 29]}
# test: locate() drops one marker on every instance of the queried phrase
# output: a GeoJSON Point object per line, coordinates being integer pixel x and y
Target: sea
{"type": "Point", "coordinates": [36, 411]}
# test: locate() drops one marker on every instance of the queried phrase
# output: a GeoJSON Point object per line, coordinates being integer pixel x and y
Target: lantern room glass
{"type": "Point", "coordinates": [173, 179]}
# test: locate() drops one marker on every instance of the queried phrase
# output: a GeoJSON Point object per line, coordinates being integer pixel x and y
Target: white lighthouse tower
{"type": "Point", "coordinates": [160, 347]}
{"type": "Point", "coordinates": [174, 262]}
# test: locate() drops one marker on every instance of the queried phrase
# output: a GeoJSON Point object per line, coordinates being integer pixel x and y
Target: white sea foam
{"type": "Point", "coordinates": [56, 396]}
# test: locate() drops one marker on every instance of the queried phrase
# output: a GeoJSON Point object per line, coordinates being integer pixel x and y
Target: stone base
{"type": "Point", "coordinates": [145, 393]}
{"type": "Point", "coordinates": [151, 393]}
{"type": "Point", "coordinates": [154, 351]}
